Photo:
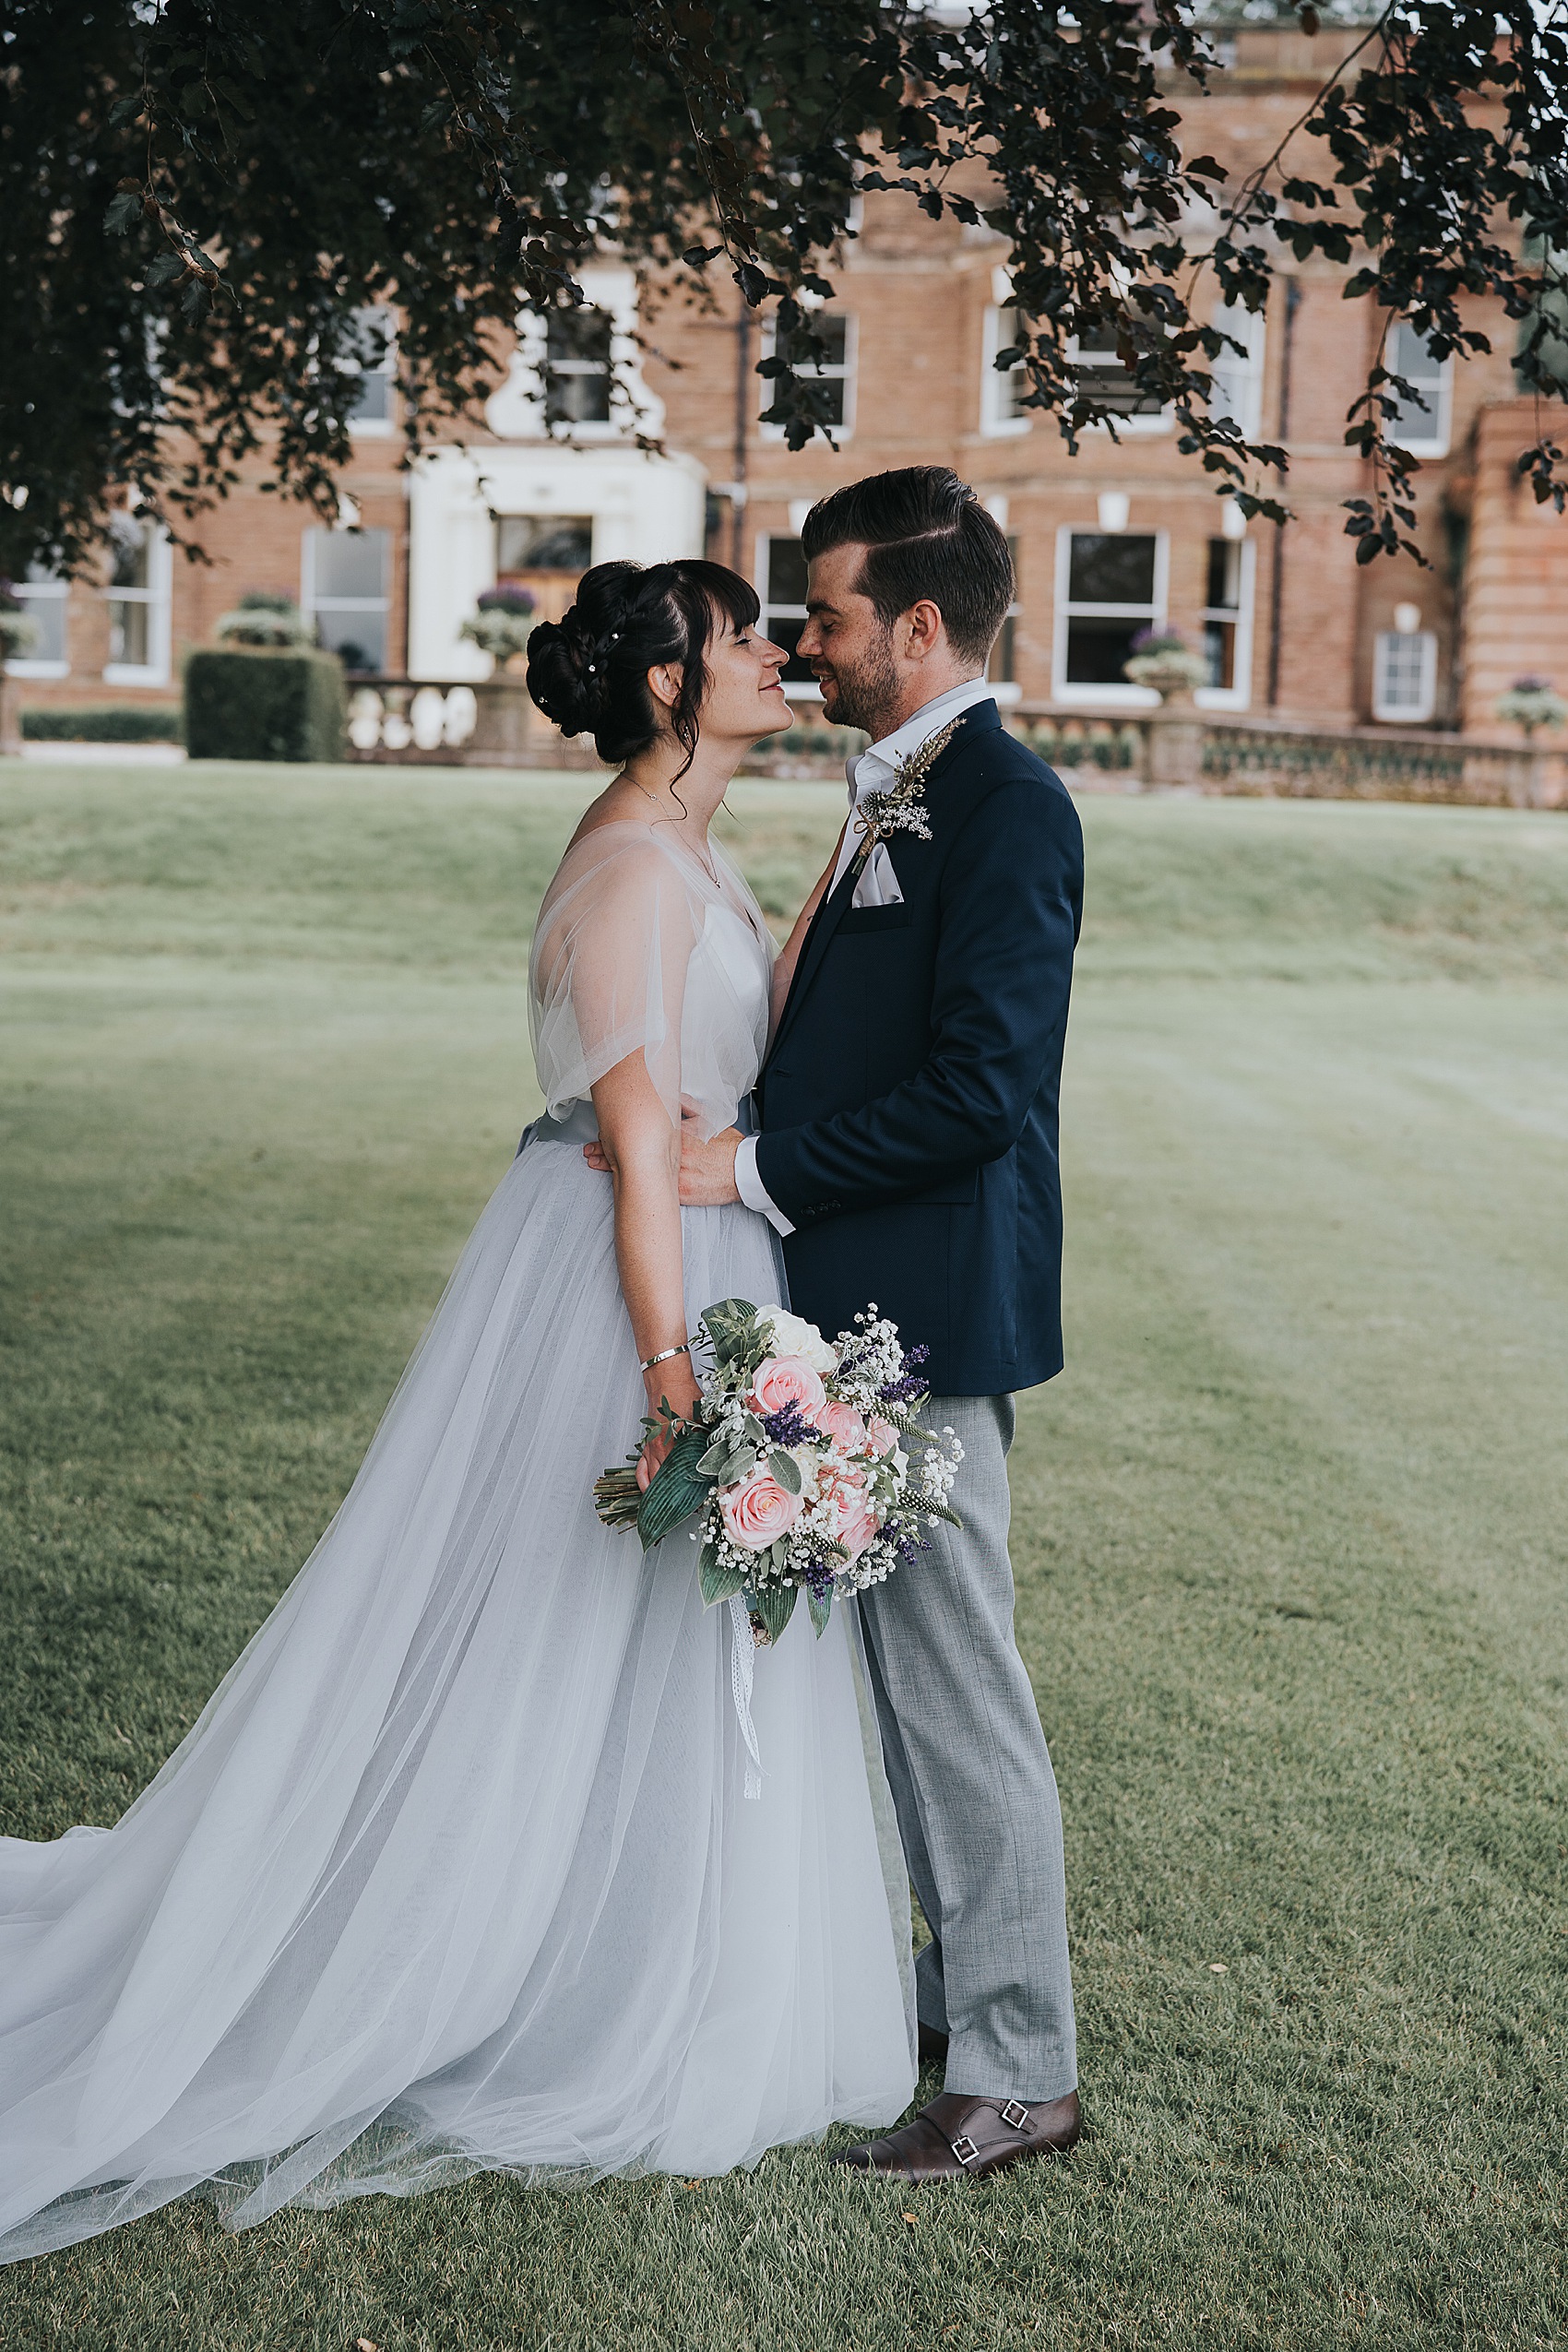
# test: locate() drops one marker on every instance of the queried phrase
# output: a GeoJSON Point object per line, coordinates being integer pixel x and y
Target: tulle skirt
{"type": "Point", "coordinates": [457, 1871]}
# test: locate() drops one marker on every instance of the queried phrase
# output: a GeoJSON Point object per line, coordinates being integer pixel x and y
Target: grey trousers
{"type": "Point", "coordinates": [973, 1788]}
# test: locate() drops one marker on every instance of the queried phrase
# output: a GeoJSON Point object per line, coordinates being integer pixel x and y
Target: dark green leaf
{"type": "Point", "coordinates": [718, 1583]}
{"type": "Point", "coordinates": [775, 1604]}
{"type": "Point", "coordinates": [677, 1490]}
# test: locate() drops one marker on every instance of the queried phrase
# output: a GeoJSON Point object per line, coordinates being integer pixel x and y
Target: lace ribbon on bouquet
{"type": "Point", "coordinates": [742, 1666]}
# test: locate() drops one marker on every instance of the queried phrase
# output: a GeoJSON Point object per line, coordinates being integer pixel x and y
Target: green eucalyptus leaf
{"type": "Point", "coordinates": [821, 1610]}
{"type": "Point", "coordinates": [786, 1469]}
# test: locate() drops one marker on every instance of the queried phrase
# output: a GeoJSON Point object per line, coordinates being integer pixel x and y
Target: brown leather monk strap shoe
{"type": "Point", "coordinates": [958, 2138]}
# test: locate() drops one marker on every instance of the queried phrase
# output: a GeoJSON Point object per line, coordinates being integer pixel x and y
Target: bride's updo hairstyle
{"type": "Point", "coordinates": [588, 671]}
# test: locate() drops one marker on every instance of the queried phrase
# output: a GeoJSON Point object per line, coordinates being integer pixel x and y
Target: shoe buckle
{"type": "Point", "coordinates": [963, 2148]}
{"type": "Point", "coordinates": [1016, 2114]}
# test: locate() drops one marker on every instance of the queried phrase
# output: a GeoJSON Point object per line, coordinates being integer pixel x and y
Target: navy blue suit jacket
{"type": "Point", "coordinates": [907, 1106]}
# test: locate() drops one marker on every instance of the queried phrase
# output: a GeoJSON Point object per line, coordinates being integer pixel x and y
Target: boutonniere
{"type": "Point", "coordinates": [901, 808]}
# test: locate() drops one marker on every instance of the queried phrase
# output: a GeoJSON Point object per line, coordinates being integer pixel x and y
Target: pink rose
{"type": "Point", "coordinates": [858, 1530]}
{"type": "Point", "coordinates": [884, 1436]}
{"type": "Point", "coordinates": [788, 1379]}
{"type": "Point", "coordinates": [842, 1424]}
{"type": "Point", "coordinates": [757, 1512]}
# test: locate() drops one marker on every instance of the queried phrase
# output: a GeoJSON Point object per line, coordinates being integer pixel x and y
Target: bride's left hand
{"type": "Point", "coordinates": [681, 1393]}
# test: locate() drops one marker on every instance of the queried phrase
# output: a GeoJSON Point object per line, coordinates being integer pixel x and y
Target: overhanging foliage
{"type": "Point", "coordinates": [197, 203]}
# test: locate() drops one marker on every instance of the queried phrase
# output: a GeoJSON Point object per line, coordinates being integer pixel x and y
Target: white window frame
{"type": "Point", "coordinates": [310, 604]}
{"type": "Point", "coordinates": [592, 370]}
{"type": "Point", "coordinates": [1125, 696]}
{"type": "Point", "coordinates": [156, 596]}
{"type": "Point", "coordinates": [843, 372]}
{"type": "Point", "coordinates": [1131, 427]}
{"type": "Point", "coordinates": [1416, 713]}
{"type": "Point", "coordinates": [797, 689]}
{"type": "Point", "coordinates": [378, 428]}
{"type": "Point", "coordinates": [47, 592]}
{"type": "Point", "coordinates": [1428, 431]}
{"type": "Point", "coordinates": [515, 410]}
{"type": "Point", "coordinates": [997, 337]}
{"type": "Point", "coordinates": [1240, 695]}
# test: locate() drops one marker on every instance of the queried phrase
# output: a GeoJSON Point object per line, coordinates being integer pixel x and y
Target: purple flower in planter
{"type": "Point", "coordinates": [509, 598]}
{"type": "Point", "coordinates": [1159, 640]}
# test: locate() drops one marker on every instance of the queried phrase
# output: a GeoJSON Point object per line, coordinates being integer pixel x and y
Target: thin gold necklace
{"type": "Point", "coordinates": [670, 819]}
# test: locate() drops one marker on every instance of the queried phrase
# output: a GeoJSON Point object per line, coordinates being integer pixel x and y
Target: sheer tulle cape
{"type": "Point", "coordinates": [456, 1870]}
{"type": "Point", "coordinates": [612, 970]}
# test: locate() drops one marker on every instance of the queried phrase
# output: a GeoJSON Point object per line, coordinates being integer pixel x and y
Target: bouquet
{"type": "Point", "coordinates": [803, 1458]}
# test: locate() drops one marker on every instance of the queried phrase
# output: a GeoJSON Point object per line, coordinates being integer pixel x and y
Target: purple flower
{"type": "Point", "coordinates": [1159, 640]}
{"type": "Point", "coordinates": [909, 1382]}
{"type": "Point", "coordinates": [509, 598]}
{"type": "Point", "coordinates": [907, 1545]}
{"type": "Point", "coordinates": [788, 1426]}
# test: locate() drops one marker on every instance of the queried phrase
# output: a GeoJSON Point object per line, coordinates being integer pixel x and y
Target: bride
{"type": "Point", "coordinates": [456, 1870]}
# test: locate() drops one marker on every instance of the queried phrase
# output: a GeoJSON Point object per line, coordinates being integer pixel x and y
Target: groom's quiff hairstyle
{"type": "Point", "coordinates": [926, 535]}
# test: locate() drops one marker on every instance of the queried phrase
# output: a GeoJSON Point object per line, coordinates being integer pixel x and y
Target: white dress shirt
{"type": "Point", "coordinates": [872, 770]}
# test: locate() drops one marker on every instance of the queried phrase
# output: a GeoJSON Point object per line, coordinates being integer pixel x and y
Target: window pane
{"type": "Point", "coordinates": [786, 573]}
{"type": "Point", "coordinates": [1224, 574]}
{"type": "Point", "coordinates": [543, 543]}
{"type": "Point", "coordinates": [348, 563]}
{"type": "Point", "coordinates": [577, 398]}
{"type": "Point", "coordinates": [357, 637]}
{"type": "Point", "coordinates": [581, 335]}
{"type": "Point", "coordinates": [1407, 355]}
{"type": "Point", "coordinates": [795, 672]}
{"type": "Point", "coordinates": [1097, 650]}
{"type": "Point", "coordinates": [1010, 383]}
{"type": "Point", "coordinates": [1220, 650]}
{"type": "Point", "coordinates": [128, 631]}
{"type": "Point", "coordinates": [1406, 675]}
{"type": "Point", "coordinates": [49, 612]}
{"type": "Point", "coordinates": [373, 404]}
{"type": "Point", "coordinates": [831, 333]}
{"type": "Point", "coordinates": [1112, 568]}
{"type": "Point", "coordinates": [130, 545]}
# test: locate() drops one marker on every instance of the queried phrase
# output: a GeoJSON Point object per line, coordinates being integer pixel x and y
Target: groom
{"type": "Point", "coordinates": [908, 1153]}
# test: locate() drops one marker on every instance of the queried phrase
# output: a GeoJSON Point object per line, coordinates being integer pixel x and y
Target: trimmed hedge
{"type": "Point", "coordinates": [251, 703]}
{"type": "Point", "coordinates": [103, 723]}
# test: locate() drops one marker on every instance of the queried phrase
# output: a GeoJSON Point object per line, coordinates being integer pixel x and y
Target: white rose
{"type": "Point", "coordinates": [792, 1336]}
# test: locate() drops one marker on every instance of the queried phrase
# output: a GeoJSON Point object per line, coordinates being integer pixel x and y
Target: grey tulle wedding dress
{"type": "Point", "coordinates": [456, 1870]}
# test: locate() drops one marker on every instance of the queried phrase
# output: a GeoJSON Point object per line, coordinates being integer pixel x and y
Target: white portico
{"type": "Point", "coordinates": [562, 485]}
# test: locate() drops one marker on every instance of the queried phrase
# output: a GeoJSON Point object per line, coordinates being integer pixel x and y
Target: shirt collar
{"type": "Point", "coordinates": [872, 769]}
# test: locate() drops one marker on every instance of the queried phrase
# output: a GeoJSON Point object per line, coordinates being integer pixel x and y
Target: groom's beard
{"type": "Point", "coordinates": [864, 694]}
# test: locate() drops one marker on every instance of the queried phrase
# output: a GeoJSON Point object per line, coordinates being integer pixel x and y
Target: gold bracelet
{"type": "Point", "coordinates": [663, 1357]}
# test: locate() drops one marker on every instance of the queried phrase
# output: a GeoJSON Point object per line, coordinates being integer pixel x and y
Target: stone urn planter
{"type": "Point", "coordinates": [1531, 704]}
{"type": "Point", "coordinates": [504, 721]}
{"type": "Point", "coordinates": [1173, 735]}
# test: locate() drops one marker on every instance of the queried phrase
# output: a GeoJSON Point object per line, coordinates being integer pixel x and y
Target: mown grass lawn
{"type": "Point", "coordinates": [1291, 1536]}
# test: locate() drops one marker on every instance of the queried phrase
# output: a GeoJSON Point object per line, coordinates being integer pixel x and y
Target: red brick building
{"type": "Point", "coordinates": [1126, 533]}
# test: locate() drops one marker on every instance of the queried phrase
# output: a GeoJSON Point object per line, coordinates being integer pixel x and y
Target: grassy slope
{"type": "Point", "coordinates": [1289, 1534]}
